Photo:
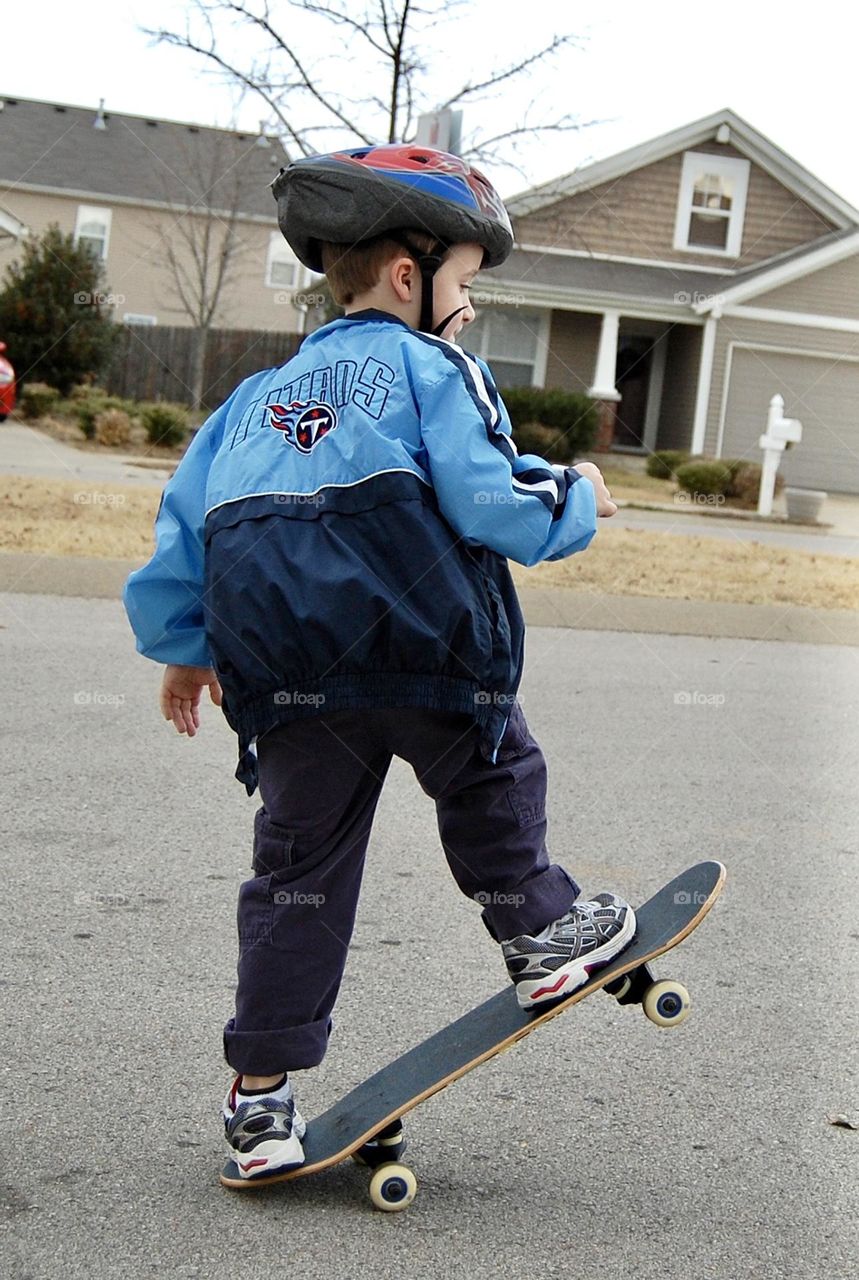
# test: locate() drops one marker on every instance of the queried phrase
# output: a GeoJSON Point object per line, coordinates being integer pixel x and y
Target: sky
{"type": "Point", "coordinates": [640, 71]}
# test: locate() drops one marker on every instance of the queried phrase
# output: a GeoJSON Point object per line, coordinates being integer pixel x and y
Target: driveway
{"type": "Point", "coordinates": [27, 452]}
{"type": "Point", "coordinates": [601, 1146]}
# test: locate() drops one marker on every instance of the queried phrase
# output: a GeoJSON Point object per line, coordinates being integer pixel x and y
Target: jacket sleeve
{"type": "Point", "coordinates": [516, 504]}
{"type": "Point", "coordinates": [163, 600]}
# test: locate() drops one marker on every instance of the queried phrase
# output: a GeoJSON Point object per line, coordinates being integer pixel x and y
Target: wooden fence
{"type": "Point", "coordinates": [153, 362]}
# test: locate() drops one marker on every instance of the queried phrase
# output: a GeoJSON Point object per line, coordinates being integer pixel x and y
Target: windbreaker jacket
{"type": "Point", "coordinates": [336, 537]}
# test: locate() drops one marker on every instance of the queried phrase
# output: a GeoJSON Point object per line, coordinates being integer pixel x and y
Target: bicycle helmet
{"type": "Point", "coordinates": [351, 197]}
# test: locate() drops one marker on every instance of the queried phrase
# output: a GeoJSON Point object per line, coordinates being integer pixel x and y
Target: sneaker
{"type": "Point", "coordinates": [553, 964]}
{"type": "Point", "coordinates": [263, 1131]}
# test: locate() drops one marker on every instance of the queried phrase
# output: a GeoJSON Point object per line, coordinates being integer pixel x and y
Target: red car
{"type": "Point", "coordinates": [7, 386]}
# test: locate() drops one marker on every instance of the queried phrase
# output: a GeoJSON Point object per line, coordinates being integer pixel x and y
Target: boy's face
{"type": "Point", "coordinates": [451, 284]}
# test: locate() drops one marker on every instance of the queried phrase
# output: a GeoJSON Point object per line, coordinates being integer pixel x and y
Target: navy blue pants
{"type": "Point", "coordinates": [320, 779]}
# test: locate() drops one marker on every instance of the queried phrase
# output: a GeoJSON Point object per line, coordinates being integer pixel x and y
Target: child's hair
{"type": "Point", "coordinates": [354, 269]}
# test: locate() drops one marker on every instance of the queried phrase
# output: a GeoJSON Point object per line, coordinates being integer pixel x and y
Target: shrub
{"type": "Point", "coordinates": [665, 462]}
{"type": "Point", "coordinates": [572, 417]}
{"type": "Point", "coordinates": [87, 410]}
{"type": "Point", "coordinates": [54, 311]}
{"type": "Point", "coordinates": [745, 484]}
{"type": "Point", "coordinates": [112, 427]}
{"type": "Point", "coordinates": [37, 399]}
{"type": "Point", "coordinates": [532, 438]}
{"type": "Point", "coordinates": [86, 391]}
{"type": "Point", "coordinates": [522, 404]}
{"type": "Point", "coordinates": [706, 477]}
{"type": "Point", "coordinates": [165, 423]}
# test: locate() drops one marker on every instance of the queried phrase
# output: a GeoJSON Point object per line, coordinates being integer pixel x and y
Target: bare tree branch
{"type": "Point", "coordinates": [492, 82]}
{"type": "Point", "coordinates": [306, 100]}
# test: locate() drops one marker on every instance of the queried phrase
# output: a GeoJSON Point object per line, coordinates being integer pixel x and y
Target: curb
{"type": "Point", "coordinates": [97, 579]}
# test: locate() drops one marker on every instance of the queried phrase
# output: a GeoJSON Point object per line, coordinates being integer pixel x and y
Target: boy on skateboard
{"type": "Point", "coordinates": [331, 563]}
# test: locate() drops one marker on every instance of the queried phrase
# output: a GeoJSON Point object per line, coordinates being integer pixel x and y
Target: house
{"type": "Point", "coordinates": [156, 200]}
{"type": "Point", "coordinates": [683, 283]}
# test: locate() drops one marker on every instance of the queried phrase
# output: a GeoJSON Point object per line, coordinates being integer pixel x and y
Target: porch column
{"type": "Point", "coordinates": [705, 378]}
{"type": "Point", "coordinates": [603, 388]}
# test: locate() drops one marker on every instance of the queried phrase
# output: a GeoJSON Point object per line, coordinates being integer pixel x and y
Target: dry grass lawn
{"type": "Point", "coordinates": [72, 518]}
{"type": "Point", "coordinates": [62, 517]}
{"type": "Point", "coordinates": [636, 562]}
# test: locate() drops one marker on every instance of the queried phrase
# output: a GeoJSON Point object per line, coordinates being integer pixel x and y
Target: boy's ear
{"type": "Point", "coordinates": [402, 277]}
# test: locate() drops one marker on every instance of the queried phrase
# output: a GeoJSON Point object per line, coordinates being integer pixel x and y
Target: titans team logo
{"type": "Point", "coordinates": [303, 422]}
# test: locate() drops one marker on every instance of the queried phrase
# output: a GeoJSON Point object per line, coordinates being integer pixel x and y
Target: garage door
{"type": "Point", "coordinates": [821, 391]}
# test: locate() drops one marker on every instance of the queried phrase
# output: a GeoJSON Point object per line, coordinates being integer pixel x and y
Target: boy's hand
{"type": "Point", "coordinates": [180, 695]}
{"type": "Point", "coordinates": [605, 506]}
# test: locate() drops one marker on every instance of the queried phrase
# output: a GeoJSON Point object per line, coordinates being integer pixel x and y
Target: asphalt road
{"type": "Point", "coordinates": [601, 1146]}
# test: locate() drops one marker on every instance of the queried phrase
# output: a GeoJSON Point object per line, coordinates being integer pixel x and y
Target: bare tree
{"type": "Point", "coordinates": [303, 91]}
{"type": "Point", "coordinates": [200, 249]}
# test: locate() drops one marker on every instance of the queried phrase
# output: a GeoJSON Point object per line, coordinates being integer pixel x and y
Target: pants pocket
{"type": "Point", "coordinates": [273, 845]}
{"type": "Point", "coordinates": [516, 735]}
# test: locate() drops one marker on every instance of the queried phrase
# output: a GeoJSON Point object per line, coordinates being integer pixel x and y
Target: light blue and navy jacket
{"type": "Point", "coordinates": [336, 537]}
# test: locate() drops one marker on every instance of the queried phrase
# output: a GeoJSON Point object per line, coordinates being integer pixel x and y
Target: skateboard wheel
{"type": "Point", "coordinates": [667, 1003]}
{"type": "Point", "coordinates": [393, 1187]}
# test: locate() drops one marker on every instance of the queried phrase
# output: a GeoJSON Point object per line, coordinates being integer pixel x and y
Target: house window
{"type": "Point", "coordinates": [712, 204]}
{"type": "Point", "coordinates": [508, 341]}
{"type": "Point", "coordinates": [92, 230]}
{"type": "Point", "coordinates": [281, 271]}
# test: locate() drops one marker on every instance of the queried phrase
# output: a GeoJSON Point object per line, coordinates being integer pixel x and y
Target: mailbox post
{"type": "Point", "coordinates": [780, 432]}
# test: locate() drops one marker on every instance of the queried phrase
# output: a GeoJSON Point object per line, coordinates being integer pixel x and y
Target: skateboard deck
{"type": "Point", "coordinates": [374, 1107]}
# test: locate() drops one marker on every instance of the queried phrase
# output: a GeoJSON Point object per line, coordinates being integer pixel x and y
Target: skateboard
{"type": "Point", "coordinates": [366, 1124]}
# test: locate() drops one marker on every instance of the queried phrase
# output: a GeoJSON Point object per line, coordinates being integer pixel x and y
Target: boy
{"type": "Point", "coordinates": [331, 563]}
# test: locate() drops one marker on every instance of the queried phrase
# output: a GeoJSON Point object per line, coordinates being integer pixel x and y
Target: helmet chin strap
{"type": "Point", "coordinates": [438, 331]}
{"type": "Point", "coordinates": [428, 265]}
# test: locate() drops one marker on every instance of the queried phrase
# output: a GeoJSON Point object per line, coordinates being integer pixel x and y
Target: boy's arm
{"type": "Point", "coordinates": [163, 600]}
{"type": "Point", "coordinates": [518, 505]}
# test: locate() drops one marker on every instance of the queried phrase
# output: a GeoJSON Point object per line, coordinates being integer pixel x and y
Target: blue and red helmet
{"type": "Point", "coordinates": [351, 196]}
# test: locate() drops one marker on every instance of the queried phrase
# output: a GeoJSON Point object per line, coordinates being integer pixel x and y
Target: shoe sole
{"type": "Point", "coordinates": [274, 1156]}
{"type": "Point", "coordinates": [269, 1157]}
{"type": "Point", "coordinates": [564, 981]}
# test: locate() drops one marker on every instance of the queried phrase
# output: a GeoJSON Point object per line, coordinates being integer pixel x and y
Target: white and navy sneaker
{"type": "Point", "coordinates": [263, 1130]}
{"type": "Point", "coordinates": [553, 964]}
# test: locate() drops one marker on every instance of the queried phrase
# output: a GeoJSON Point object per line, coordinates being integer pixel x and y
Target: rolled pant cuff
{"type": "Point", "coordinates": [266, 1053]}
{"type": "Point", "coordinates": [530, 906]}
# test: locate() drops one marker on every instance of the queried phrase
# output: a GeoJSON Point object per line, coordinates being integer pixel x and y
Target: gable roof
{"type": "Point", "coordinates": [802, 261]}
{"type": "Point", "coordinates": [749, 141]}
{"type": "Point", "coordinates": [543, 277]}
{"type": "Point", "coordinates": [53, 147]}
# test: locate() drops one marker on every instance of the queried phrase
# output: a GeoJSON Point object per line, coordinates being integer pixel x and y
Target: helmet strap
{"type": "Point", "coordinates": [442, 325]}
{"type": "Point", "coordinates": [428, 265]}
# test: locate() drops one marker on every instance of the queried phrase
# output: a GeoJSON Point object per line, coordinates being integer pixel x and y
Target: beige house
{"type": "Point", "coordinates": [157, 201]}
{"type": "Point", "coordinates": [683, 283]}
